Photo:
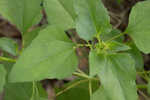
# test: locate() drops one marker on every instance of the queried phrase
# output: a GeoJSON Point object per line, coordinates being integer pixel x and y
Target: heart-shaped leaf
{"type": "Point", "coordinates": [139, 25]}
{"type": "Point", "coordinates": [50, 55]}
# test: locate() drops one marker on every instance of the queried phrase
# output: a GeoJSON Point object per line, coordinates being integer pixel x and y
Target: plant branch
{"type": "Point", "coordinates": [7, 59]}
{"type": "Point", "coordinates": [84, 76]}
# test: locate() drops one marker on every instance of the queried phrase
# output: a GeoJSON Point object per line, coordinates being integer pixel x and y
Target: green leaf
{"type": "Point", "coordinates": [50, 55]}
{"type": "Point", "coordinates": [58, 14]}
{"type": "Point", "coordinates": [115, 46]}
{"type": "Point", "coordinates": [110, 35]}
{"type": "Point", "coordinates": [43, 99]}
{"type": "Point", "coordinates": [29, 36]}
{"type": "Point", "coordinates": [117, 75]}
{"type": "Point", "coordinates": [18, 91]}
{"type": "Point", "coordinates": [69, 7]}
{"type": "Point", "coordinates": [96, 62]}
{"type": "Point", "coordinates": [22, 13]}
{"type": "Point", "coordinates": [92, 17]}
{"type": "Point", "coordinates": [137, 56]}
{"type": "Point", "coordinates": [139, 25]}
{"type": "Point", "coordinates": [2, 77]}
{"type": "Point", "coordinates": [9, 45]}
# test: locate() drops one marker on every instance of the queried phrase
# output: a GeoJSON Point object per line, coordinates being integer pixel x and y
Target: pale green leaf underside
{"type": "Point", "coordinates": [92, 18]}
{"type": "Point", "coordinates": [8, 45]}
{"type": "Point", "coordinates": [50, 55]}
{"type": "Point", "coordinates": [2, 77]}
{"type": "Point", "coordinates": [22, 13]}
{"type": "Point", "coordinates": [58, 14]}
{"type": "Point", "coordinates": [139, 26]}
{"type": "Point", "coordinates": [99, 95]}
{"type": "Point", "coordinates": [96, 62]}
{"type": "Point", "coordinates": [117, 75]}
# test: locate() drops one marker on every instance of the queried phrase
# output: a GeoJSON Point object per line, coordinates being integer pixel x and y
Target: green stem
{"type": "Point", "coordinates": [33, 91]}
{"type": "Point", "coordinates": [141, 86]}
{"type": "Point", "coordinates": [85, 76]}
{"type": "Point", "coordinates": [71, 86]}
{"type": "Point", "coordinates": [80, 71]}
{"type": "Point", "coordinates": [143, 76]}
{"type": "Point", "coordinates": [7, 59]}
{"type": "Point", "coordinates": [81, 75]}
{"type": "Point", "coordinates": [90, 87]}
{"type": "Point", "coordinates": [143, 72]}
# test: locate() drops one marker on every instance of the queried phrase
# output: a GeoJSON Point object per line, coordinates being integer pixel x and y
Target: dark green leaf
{"type": "Point", "coordinates": [2, 77]}
{"type": "Point", "coordinates": [92, 18]}
{"type": "Point", "coordinates": [139, 25]}
{"type": "Point", "coordinates": [22, 13]}
{"type": "Point", "coordinates": [79, 92]}
{"type": "Point", "coordinates": [50, 55]}
{"type": "Point", "coordinates": [9, 46]}
{"type": "Point", "coordinates": [18, 91]}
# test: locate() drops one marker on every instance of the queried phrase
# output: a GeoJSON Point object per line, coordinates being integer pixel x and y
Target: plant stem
{"type": "Point", "coordinates": [85, 76]}
{"type": "Point", "coordinates": [143, 72]}
{"type": "Point", "coordinates": [81, 71]}
{"type": "Point", "coordinates": [90, 88]}
{"type": "Point", "coordinates": [71, 86]}
{"type": "Point", "coordinates": [81, 75]}
{"type": "Point", "coordinates": [7, 59]}
{"type": "Point", "coordinates": [141, 86]}
{"type": "Point", "coordinates": [33, 91]}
